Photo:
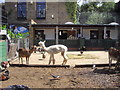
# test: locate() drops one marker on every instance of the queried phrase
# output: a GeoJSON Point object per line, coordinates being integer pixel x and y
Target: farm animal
{"type": "Point", "coordinates": [40, 50]}
{"type": "Point", "coordinates": [82, 49]}
{"type": "Point", "coordinates": [4, 75]}
{"type": "Point", "coordinates": [5, 64]}
{"type": "Point", "coordinates": [114, 54]}
{"type": "Point", "coordinates": [54, 49]}
{"type": "Point", "coordinates": [22, 52]}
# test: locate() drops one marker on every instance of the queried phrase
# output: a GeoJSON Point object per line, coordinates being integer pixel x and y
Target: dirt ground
{"type": "Point", "coordinates": [36, 58]}
{"type": "Point", "coordinates": [38, 77]}
{"type": "Point", "coordinates": [35, 77]}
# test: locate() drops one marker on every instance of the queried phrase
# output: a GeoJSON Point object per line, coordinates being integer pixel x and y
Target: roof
{"type": "Point", "coordinates": [69, 23]}
{"type": "Point", "coordinates": [113, 23]}
{"type": "Point", "coordinates": [74, 25]}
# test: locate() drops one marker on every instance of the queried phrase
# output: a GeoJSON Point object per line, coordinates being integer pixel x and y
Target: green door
{"type": "Point", "coordinates": [3, 51]}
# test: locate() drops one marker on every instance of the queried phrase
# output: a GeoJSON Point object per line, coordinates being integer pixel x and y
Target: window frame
{"type": "Point", "coordinates": [94, 34]}
{"type": "Point", "coordinates": [22, 4]}
{"type": "Point", "coordinates": [43, 7]}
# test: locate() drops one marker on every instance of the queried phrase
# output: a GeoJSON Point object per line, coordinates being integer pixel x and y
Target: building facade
{"type": "Point", "coordinates": [39, 12]}
{"type": "Point", "coordinates": [50, 21]}
{"type": "Point", "coordinates": [3, 14]}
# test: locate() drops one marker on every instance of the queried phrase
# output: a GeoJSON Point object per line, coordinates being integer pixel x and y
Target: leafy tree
{"type": "Point", "coordinates": [92, 6]}
{"type": "Point", "coordinates": [72, 10]}
{"type": "Point", "coordinates": [100, 18]}
{"type": "Point", "coordinates": [96, 13]}
{"type": "Point", "coordinates": [107, 7]}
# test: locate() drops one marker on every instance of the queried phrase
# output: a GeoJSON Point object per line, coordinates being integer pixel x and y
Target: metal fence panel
{"type": "Point", "coordinates": [3, 50]}
{"type": "Point", "coordinates": [21, 43]}
{"type": "Point", "coordinates": [97, 43]}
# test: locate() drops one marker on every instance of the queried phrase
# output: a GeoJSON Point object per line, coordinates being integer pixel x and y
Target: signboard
{"type": "Point", "coordinates": [3, 32]}
{"type": "Point", "coordinates": [20, 30]}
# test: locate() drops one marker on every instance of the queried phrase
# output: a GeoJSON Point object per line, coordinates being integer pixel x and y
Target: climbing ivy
{"type": "Point", "coordinates": [72, 10]}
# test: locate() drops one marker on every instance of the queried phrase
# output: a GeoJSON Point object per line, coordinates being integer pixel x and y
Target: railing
{"type": "Point", "coordinates": [78, 43]}
{"type": "Point", "coordinates": [21, 43]}
{"type": "Point", "coordinates": [100, 43]}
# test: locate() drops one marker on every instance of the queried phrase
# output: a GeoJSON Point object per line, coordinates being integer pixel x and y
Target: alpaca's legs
{"type": "Point", "coordinates": [53, 59]}
{"type": "Point", "coordinates": [50, 59]}
{"type": "Point", "coordinates": [110, 62]}
{"type": "Point", "coordinates": [27, 60]}
{"type": "Point", "coordinates": [117, 64]}
{"type": "Point", "coordinates": [64, 61]}
{"type": "Point", "coordinates": [19, 60]}
{"type": "Point", "coordinates": [22, 60]}
{"type": "Point", "coordinates": [65, 58]}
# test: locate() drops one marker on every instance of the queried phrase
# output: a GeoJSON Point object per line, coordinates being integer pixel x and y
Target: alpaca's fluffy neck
{"type": "Point", "coordinates": [44, 47]}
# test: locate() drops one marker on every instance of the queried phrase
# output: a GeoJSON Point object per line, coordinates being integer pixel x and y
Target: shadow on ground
{"type": "Point", "coordinates": [107, 71]}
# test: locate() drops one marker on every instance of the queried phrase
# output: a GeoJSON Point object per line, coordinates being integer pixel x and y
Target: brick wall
{"type": "Point", "coordinates": [58, 9]}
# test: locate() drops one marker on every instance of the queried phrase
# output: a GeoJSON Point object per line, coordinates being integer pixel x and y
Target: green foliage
{"type": "Point", "coordinates": [97, 6]}
{"type": "Point", "coordinates": [92, 6]}
{"type": "Point", "coordinates": [107, 7]}
{"type": "Point", "coordinates": [97, 13]}
{"type": "Point", "coordinates": [72, 9]}
{"type": "Point", "coordinates": [100, 18]}
{"type": "Point", "coordinates": [3, 27]}
{"type": "Point", "coordinates": [19, 35]}
{"type": "Point", "coordinates": [12, 35]}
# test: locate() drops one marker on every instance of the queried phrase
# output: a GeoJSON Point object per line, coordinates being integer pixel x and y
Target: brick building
{"type": "Point", "coordinates": [28, 13]}
{"type": "Point", "coordinates": [47, 21]}
{"type": "Point", "coordinates": [40, 12]}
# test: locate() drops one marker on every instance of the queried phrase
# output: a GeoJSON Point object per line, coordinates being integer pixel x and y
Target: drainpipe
{"type": "Point", "coordinates": [56, 41]}
{"type": "Point", "coordinates": [105, 28]}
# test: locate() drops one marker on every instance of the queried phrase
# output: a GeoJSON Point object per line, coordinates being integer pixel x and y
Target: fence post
{"type": "Point", "coordinates": [81, 42]}
{"type": "Point", "coordinates": [18, 43]}
{"type": "Point", "coordinates": [26, 43]}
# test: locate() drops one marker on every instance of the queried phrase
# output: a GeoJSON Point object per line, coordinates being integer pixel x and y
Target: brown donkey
{"type": "Point", "coordinates": [22, 52]}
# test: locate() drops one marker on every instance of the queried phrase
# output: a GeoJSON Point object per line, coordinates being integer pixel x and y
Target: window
{"type": "Point", "coordinates": [41, 9]}
{"type": "Point", "coordinates": [108, 33]}
{"type": "Point", "coordinates": [39, 34]}
{"type": "Point", "coordinates": [62, 34]}
{"type": "Point", "coordinates": [93, 34]}
{"type": "Point", "coordinates": [21, 10]}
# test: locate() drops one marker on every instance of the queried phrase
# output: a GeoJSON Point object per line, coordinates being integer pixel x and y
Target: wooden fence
{"type": "Point", "coordinates": [78, 43]}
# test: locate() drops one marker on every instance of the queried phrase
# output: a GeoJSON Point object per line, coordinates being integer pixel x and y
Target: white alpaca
{"type": "Point", "coordinates": [54, 49]}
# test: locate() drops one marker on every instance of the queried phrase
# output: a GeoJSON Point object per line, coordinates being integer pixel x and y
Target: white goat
{"type": "Point", "coordinates": [54, 49]}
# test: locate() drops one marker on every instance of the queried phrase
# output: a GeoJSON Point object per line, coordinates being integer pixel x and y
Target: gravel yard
{"type": "Point", "coordinates": [69, 77]}
{"type": "Point", "coordinates": [38, 77]}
